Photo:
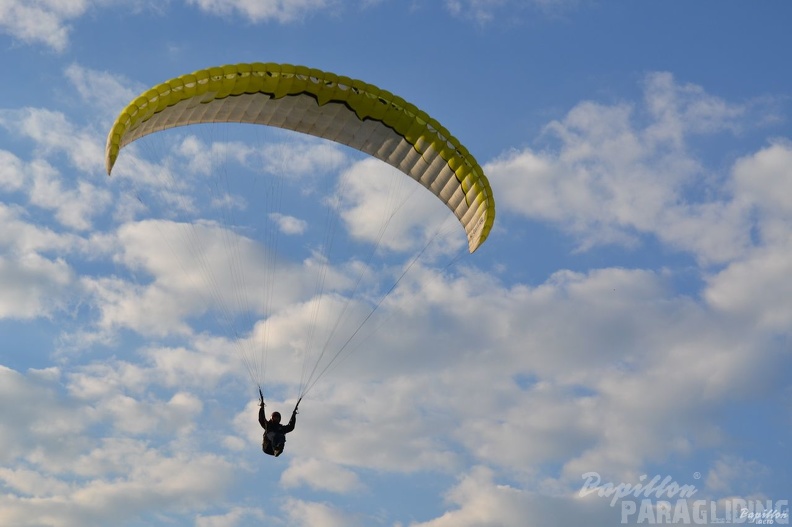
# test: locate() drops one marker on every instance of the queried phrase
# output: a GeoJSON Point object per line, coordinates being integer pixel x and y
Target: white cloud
{"type": "Point", "coordinates": [481, 502]}
{"type": "Point", "coordinates": [74, 204]}
{"type": "Point", "coordinates": [300, 513]}
{"type": "Point", "coordinates": [150, 311]}
{"type": "Point", "coordinates": [614, 179]}
{"type": "Point", "coordinates": [679, 110]}
{"type": "Point", "coordinates": [618, 373]}
{"type": "Point", "coordinates": [320, 475]}
{"type": "Point", "coordinates": [478, 500]}
{"type": "Point", "coordinates": [41, 21]}
{"type": "Point", "coordinates": [757, 288]}
{"type": "Point", "coordinates": [55, 134]}
{"type": "Point", "coordinates": [12, 172]}
{"type": "Point", "coordinates": [729, 473]}
{"type": "Point", "coordinates": [289, 224]}
{"type": "Point", "coordinates": [33, 286]}
{"type": "Point", "coordinates": [203, 158]}
{"type": "Point", "coordinates": [193, 266]}
{"type": "Point", "coordinates": [33, 415]}
{"type": "Point", "coordinates": [59, 470]}
{"type": "Point", "coordinates": [234, 517]}
{"type": "Point", "coordinates": [481, 10]}
{"type": "Point", "coordinates": [764, 181]}
{"type": "Point", "coordinates": [300, 158]}
{"type": "Point", "coordinates": [488, 11]}
{"type": "Point", "coordinates": [264, 150]}
{"type": "Point", "coordinates": [346, 426]}
{"type": "Point", "coordinates": [151, 480]}
{"type": "Point", "coordinates": [102, 90]}
{"type": "Point", "coordinates": [21, 237]}
{"type": "Point", "coordinates": [73, 207]}
{"type": "Point", "coordinates": [283, 11]}
{"type": "Point", "coordinates": [201, 367]}
{"type": "Point", "coordinates": [380, 205]}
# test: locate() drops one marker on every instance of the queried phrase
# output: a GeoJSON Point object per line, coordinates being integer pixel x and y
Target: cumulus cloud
{"type": "Point", "coordinates": [763, 181]}
{"type": "Point", "coordinates": [320, 475]}
{"type": "Point", "coordinates": [283, 11]}
{"type": "Point", "coordinates": [12, 173]}
{"type": "Point", "coordinates": [756, 288]}
{"type": "Point", "coordinates": [54, 133]}
{"type": "Point", "coordinates": [379, 205]}
{"type": "Point", "coordinates": [73, 207]}
{"type": "Point", "coordinates": [57, 469]}
{"type": "Point", "coordinates": [487, 11]}
{"type": "Point", "coordinates": [191, 268]}
{"type": "Point", "coordinates": [33, 284]}
{"type": "Point", "coordinates": [301, 513]}
{"type": "Point", "coordinates": [41, 21]}
{"type": "Point", "coordinates": [102, 90]}
{"type": "Point", "coordinates": [617, 372]}
{"type": "Point", "coordinates": [478, 499]}
{"type": "Point", "coordinates": [74, 204]}
{"type": "Point", "coordinates": [147, 479]}
{"type": "Point", "coordinates": [234, 517]}
{"type": "Point", "coordinates": [299, 159]}
{"type": "Point", "coordinates": [289, 224]}
{"type": "Point", "coordinates": [29, 404]}
{"type": "Point", "coordinates": [621, 172]}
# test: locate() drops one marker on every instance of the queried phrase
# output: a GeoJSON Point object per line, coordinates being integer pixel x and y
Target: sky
{"type": "Point", "coordinates": [616, 353]}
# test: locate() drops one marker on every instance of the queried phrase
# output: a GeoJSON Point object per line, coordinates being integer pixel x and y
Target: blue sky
{"type": "Point", "coordinates": [629, 315]}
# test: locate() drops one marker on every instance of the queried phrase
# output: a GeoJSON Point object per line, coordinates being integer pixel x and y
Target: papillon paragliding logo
{"type": "Point", "coordinates": [661, 501]}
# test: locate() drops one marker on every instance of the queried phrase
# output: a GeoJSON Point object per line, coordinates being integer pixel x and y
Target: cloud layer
{"type": "Point", "coordinates": [502, 391]}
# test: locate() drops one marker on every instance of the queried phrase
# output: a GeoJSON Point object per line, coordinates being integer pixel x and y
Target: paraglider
{"type": "Point", "coordinates": [325, 105]}
{"type": "Point", "coordinates": [274, 439]}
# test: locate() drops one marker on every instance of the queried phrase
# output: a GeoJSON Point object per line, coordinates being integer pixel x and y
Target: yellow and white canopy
{"type": "Point", "coordinates": [348, 111]}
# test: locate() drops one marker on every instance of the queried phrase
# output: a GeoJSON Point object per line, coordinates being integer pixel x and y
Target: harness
{"type": "Point", "coordinates": [268, 446]}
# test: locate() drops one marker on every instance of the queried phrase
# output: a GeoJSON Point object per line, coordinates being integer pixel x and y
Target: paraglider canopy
{"type": "Point", "coordinates": [322, 104]}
